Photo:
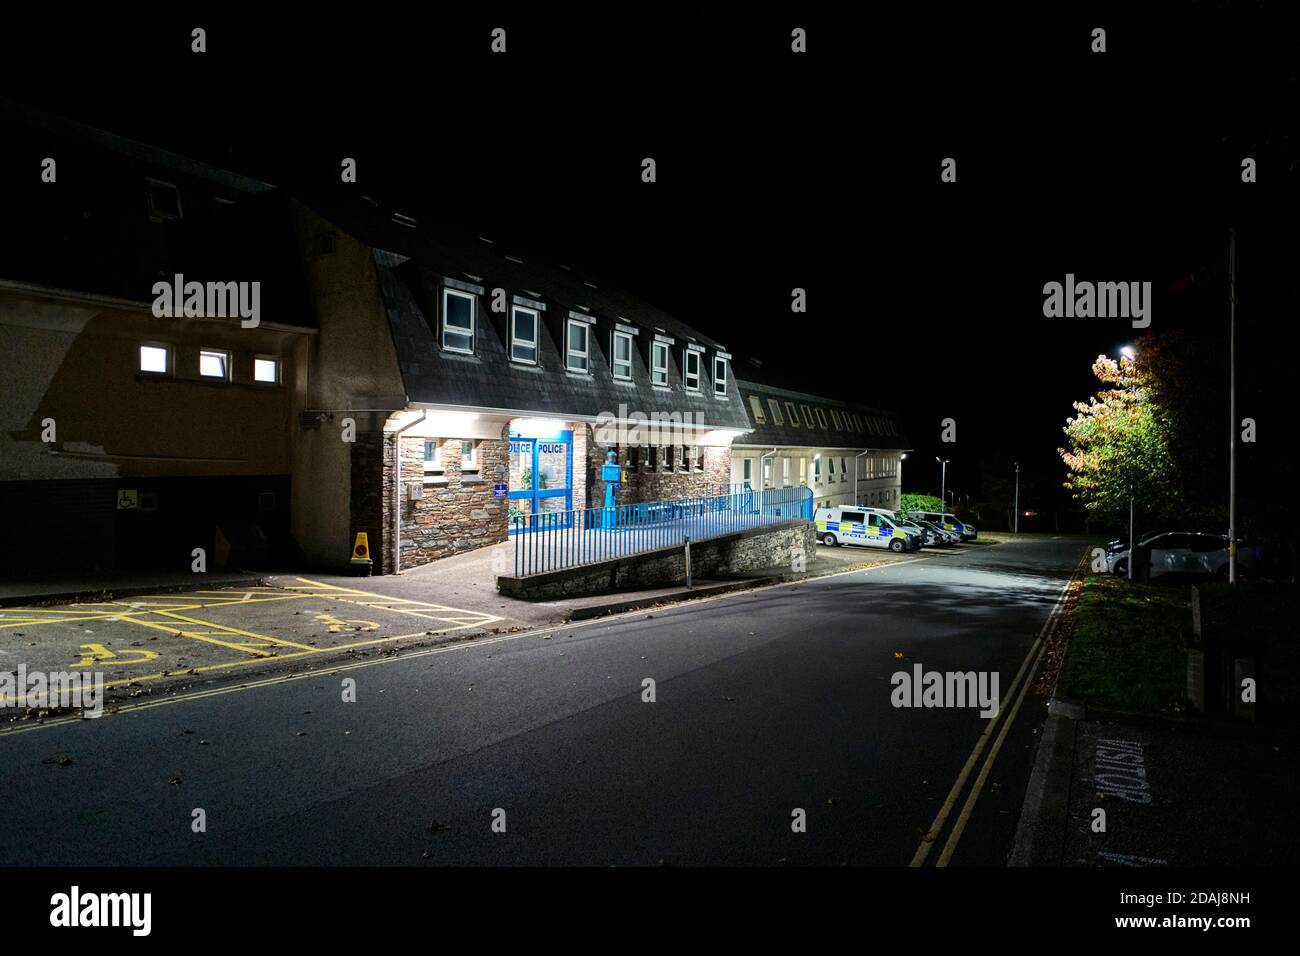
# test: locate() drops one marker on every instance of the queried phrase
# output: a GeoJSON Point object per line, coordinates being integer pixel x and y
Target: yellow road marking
{"type": "Point", "coordinates": [1035, 652]}
{"type": "Point", "coordinates": [99, 654]}
{"type": "Point", "coordinates": [223, 629]}
{"type": "Point", "coordinates": [959, 827]}
{"type": "Point", "coordinates": [337, 624]}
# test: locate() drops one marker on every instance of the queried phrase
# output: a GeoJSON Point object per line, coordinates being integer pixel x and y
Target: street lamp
{"type": "Point", "coordinates": [943, 475]}
{"type": "Point", "coordinates": [1232, 406]}
{"type": "Point", "coordinates": [1017, 519]}
{"type": "Point", "coordinates": [1130, 353]}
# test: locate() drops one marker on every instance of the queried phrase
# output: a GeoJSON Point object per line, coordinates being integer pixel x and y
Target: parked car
{"type": "Point", "coordinates": [942, 537]}
{"type": "Point", "coordinates": [1180, 552]}
{"type": "Point", "coordinates": [844, 524]}
{"type": "Point", "coordinates": [947, 521]}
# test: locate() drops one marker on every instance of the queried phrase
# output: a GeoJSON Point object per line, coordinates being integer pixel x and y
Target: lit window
{"type": "Point", "coordinates": [468, 456]}
{"type": "Point", "coordinates": [785, 472]}
{"type": "Point", "coordinates": [433, 455]}
{"type": "Point", "coordinates": [622, 355]}
{"type": "Point", "coordinates": [523, 335]}
{"type": "Point", "coordinates": [756, 406]}
{"type": "Point", "coordinates": [719, 375]}
{"type": "Point", "coordinates": [153, 358]}
{"type": "Point", "coordinates": [266, 370]}
{"type": "Point", "coordinates": [821, 418]}
{"type": "Point", "coordinates": [659, 364]}
{"type": "Point", "coordinates": [775, 406]}
{"type": "Point", "coordinates": [213, 364]}
{"type": "Point", "coordinates": [691, 370]}
{"type": "Point", "coordinates": [576, 348]}
{"type": "Point", "coordinates": [458, 321]}
{"type": "Point", "coordinates": [793, 414]}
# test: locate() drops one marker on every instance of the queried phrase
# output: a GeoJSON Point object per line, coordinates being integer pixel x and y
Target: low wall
{"type": "Point", "coordinates": [785, 546]}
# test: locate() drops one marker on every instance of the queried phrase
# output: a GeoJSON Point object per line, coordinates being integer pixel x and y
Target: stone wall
{"type": "Point", "coordinates": [788, 547]}
{"type": "Point", "coordinates": [709, 474]}
{"type": "Point", "coordinates": [458, 511]}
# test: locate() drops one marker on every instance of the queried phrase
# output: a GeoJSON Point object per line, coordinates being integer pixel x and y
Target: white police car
{"type": "Point", "coordinates": [857, 526]}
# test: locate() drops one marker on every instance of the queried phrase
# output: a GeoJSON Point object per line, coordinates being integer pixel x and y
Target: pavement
{"type": "Point", "coordinates": [749, 728]}
{"type": "Point", "coordinates": [1135, 791]}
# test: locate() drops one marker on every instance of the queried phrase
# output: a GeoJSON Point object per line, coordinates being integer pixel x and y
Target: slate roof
{"type": "Point", "coordinates": [412, 264]}
{"type": "Point", "coordinates": [91, 230]}
{"type": "Point", "coordinates": [860, 425]}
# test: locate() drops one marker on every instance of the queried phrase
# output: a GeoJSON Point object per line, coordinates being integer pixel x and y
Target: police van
{"type": "Point", "coordinates": [849, 525]}
{"type": "Point", "coordinates": [948, 522]}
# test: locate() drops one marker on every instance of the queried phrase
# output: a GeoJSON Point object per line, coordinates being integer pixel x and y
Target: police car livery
{"type": "Point", "coordinates": [848, 525]}
{"type": "Point", "coordinates": [948, 522]}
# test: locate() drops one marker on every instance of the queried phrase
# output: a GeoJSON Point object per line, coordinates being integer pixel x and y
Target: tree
{"type": "Point", "coordinates": [912, 502]}
{"type": "Point", "coordinates": [1119, 445]}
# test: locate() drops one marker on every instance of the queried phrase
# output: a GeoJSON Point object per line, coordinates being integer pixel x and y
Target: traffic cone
{"type": "Point", "coordinates": [361, 563]}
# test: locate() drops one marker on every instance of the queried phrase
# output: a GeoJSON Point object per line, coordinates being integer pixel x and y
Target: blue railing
{"type": "Point", "coordinates": [553, 540]}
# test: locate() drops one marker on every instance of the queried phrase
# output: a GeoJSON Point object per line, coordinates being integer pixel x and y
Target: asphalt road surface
{"type": "Point", "coordinates": [766, 703]}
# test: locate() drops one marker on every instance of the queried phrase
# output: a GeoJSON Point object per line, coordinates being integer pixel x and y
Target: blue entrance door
{"type": "Point", "coordinates": [541, 482]}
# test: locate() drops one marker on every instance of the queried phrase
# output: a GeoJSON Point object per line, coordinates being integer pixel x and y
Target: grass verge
{"type": "Point", "coordinates": [1127, 648]}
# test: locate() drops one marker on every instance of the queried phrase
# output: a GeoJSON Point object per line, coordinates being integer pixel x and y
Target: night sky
{"type": "Point", "coordinates": [777, 171]}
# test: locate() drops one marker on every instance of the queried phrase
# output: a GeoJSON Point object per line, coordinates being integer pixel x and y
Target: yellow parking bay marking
{"type": "Point", "coordinates": [226, 665]}
{"type": "Point", "coordinates": [99, 654]}
{"type": "Point", "coordinates": [223, 629]}
{"type": "Point", "coordinates": [424, 609]}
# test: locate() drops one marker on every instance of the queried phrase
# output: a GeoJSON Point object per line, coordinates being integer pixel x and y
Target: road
{"type": "Point", "coordinates": [765, 703]}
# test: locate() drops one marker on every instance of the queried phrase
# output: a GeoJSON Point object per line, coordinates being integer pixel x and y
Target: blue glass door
{"type": "Point", "coordinates": [541, 481]}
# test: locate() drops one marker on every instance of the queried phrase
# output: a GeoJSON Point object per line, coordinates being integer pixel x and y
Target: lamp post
{"type": "Point", "coordinates": [1130, 353]}
{"type": "Point", "coordinates": [1017, 518]}
{"type": "Point", "coordinates": [943, 475]}
{"type": "Point", "coordinates": [1232, 406]}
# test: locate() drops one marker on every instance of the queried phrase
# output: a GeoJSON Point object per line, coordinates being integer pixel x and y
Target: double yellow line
{"type": "Point", "coordinates": [1019, 689]}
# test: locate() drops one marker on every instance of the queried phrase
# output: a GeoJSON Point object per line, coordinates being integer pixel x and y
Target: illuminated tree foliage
{"type": "Point", "coordinates": [1119, 445]}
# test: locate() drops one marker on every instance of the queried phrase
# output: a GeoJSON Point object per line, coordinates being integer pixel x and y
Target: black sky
{"type": "Point", "coordinates": [775, 171]}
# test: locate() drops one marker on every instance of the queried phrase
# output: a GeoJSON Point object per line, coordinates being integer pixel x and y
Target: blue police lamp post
{"type": "Point", "coordinates": [612, 475]}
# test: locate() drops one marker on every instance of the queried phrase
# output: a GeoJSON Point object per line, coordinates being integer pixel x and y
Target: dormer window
{"type": "Point", "coordinates": [691, 370]}
{"type": "Point", "coordinates": [577, 349]}
{"type": "Point", "coordinates": [164, 200]}
{"type": "Point", "coordinates": [458, 317]}
{"type": "Point", "coordinates": [659, 364]}
{"type": "Point", "coordinates": [523, 335]}
{"type": "Point", "coordinates": [622, 356]}
{"type": "Point", "coordinates": [719, 375]}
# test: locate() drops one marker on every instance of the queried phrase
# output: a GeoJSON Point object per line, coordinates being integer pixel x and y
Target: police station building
{"type": "Point", "coordinates": [378, 375]}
